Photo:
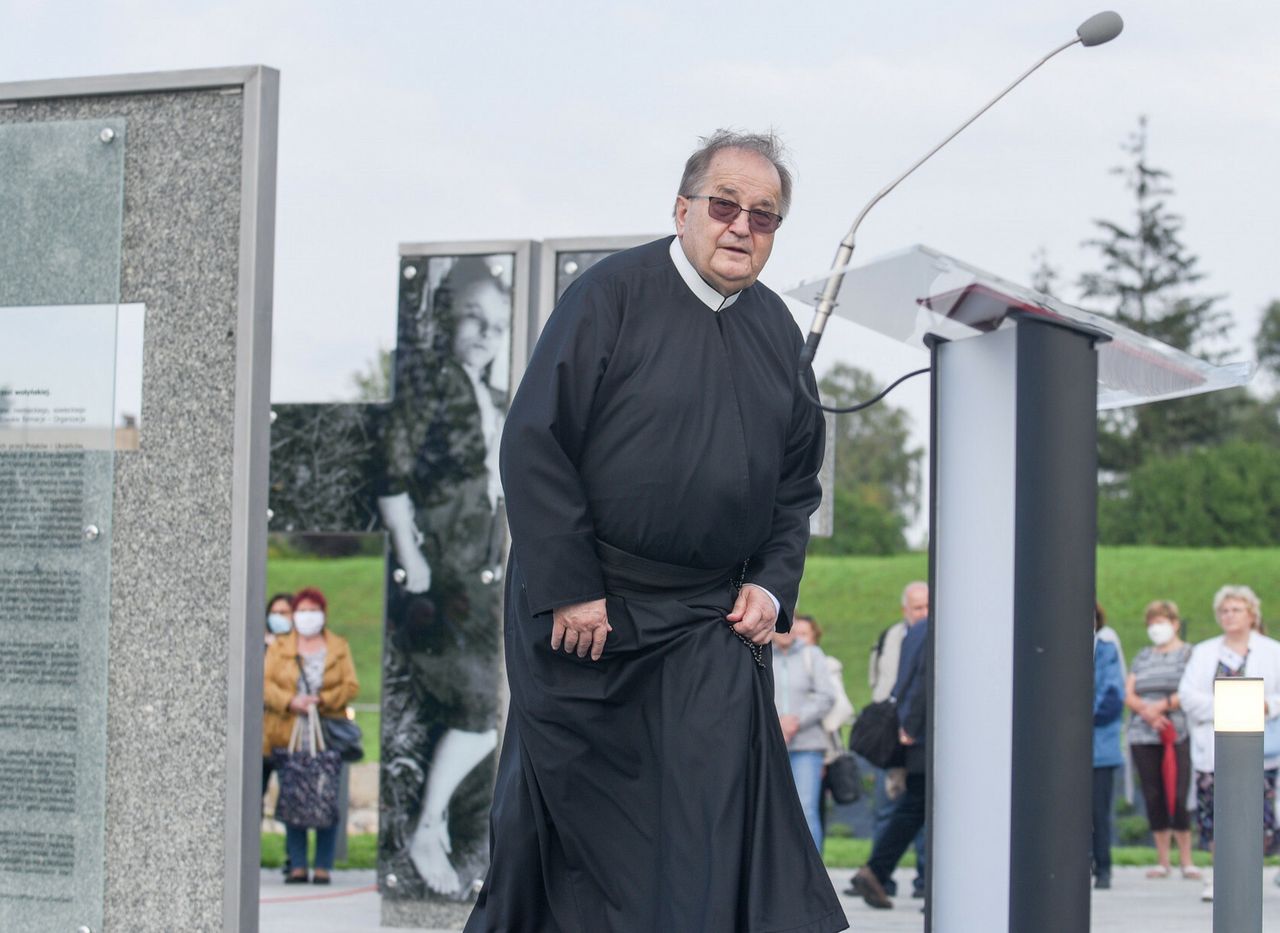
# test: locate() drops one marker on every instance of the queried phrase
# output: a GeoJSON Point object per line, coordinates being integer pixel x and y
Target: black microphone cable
{"type": "Point", "coordinates": [804, 387]}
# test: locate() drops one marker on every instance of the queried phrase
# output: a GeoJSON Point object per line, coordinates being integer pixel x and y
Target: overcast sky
{"type": "Point", "coordinates": [434, 121]}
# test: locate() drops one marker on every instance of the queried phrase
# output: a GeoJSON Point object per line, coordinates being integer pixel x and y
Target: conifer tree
{"type": "Point", "coordinates": [1268, 340]}
{"type": "Point", "coordinates": [1148, 282]}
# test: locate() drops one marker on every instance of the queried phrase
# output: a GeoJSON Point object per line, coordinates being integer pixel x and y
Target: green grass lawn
{"type": "Point", "coordinates": [362, 852]}
{"type": "Point", "coordinates": [854, 598]}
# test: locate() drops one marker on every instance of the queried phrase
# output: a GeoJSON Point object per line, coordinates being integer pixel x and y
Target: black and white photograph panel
{"type": "Point", "coordinates": [441, 505]}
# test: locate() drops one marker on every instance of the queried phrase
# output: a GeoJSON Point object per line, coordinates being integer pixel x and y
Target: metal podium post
{"type": "Point", "coordinates": [1014, 466]}
{"type": "Point", "coordinates": [1238, 722]}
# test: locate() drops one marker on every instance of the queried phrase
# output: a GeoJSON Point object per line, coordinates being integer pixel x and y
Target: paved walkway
{"type": "Point", "coordinates": [1133, 904]}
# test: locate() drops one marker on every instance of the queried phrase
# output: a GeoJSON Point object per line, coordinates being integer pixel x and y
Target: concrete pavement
{"type": "Point", "coordinates": [1171, 905]}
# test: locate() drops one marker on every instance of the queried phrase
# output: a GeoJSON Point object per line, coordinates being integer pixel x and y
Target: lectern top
{"type": "Point", "coordinates": [918, 292]}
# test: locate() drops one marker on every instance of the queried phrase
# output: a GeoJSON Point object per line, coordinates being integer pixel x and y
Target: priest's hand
{"type": "Point", "coordinates": [580, 628]}
{"type": "Point", "coordinates": [753, 615]}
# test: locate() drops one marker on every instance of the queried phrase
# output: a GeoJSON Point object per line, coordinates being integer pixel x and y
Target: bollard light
{"type": "Point", "coordinates": [1239, 704]}
{"type": "Point", "coordinates": [1239, 711]}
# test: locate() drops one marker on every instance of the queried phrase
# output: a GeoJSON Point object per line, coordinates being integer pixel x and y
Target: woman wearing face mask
{"type": "Point", "coordinates": [310, 666]}
{"type": "Point", "coordinates": [279, 616]}
{"type": "Point", "coordinates": [279, 622]}
{"type": "Point", "coordinates": [1242, 650]}
{"type": "Point", "coordinates": [1158, 737]}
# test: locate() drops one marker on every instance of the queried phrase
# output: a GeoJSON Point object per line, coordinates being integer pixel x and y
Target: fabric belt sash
{"type": "Point", "coordinates": [631, 576]}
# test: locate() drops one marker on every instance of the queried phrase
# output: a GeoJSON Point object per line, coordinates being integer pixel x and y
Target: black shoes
{"type": "Point", "coordinates": [1102, 882]}
{"type": "Point", "coordinates": [299, 876]}
{"type": "Point", "coordinates": [867, 886]}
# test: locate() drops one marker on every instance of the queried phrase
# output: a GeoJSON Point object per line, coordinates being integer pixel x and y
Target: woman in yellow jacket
{"type": "Point", "coordinates": [308, 667]}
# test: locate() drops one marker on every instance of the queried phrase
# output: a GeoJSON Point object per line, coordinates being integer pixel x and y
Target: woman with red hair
{"type": "Point", "coordinates": [308, 667]}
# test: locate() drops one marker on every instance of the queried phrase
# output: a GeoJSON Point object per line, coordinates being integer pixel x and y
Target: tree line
{"type": "Point", "coordinates": [1197, 471]}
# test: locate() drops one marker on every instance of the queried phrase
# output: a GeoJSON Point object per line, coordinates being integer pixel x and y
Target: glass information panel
{"type": "Point", "coordinates": [61, 196]}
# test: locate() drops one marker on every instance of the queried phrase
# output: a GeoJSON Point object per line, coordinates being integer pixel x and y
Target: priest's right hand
{"type": "Point", "coordinates": [581, 627]}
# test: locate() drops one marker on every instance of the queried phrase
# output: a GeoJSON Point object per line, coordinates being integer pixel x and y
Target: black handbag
{"type": "Point", "coordinates": [843, 779]}
{"type": "Point", "coordinates": [874, 735]}
{"type": "Point", "coordinates": [342, 735]}
{"type": "Point", "coordinates": [309, 779]}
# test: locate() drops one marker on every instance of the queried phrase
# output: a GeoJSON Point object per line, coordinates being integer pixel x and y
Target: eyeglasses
{"type": "Point", "coordinates": [726, 212]}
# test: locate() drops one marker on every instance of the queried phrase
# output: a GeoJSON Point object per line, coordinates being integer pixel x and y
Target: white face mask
{"type": "Point", "coordinates": [308, 622]}
{"type": "Point", "coordinates": [1160, 633]}
{"type": "Point", "coordinates": [278, 624]}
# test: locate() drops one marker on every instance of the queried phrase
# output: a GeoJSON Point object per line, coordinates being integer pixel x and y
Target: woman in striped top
{"type": "Point", "coordinates": [1158, 734]}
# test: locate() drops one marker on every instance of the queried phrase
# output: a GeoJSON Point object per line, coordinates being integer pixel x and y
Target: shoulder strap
{"type": "Point", "coordinates": [303, 671]}
{"type": "Point", "coordinates": [879, 648]}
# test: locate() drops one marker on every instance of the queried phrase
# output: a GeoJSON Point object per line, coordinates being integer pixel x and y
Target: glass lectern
{"type": "Point", "coordinates": [1017, 379]}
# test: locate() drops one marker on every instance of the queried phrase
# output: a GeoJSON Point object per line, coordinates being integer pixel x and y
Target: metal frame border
{"type": "Point", "coordinates": [139, 83]}
{"type": "Point", "coordinates": [260, 87]}
{"type": "Point", "coordinates": [250, 462]}
{"type": "Point", "coordinates": [546, 285]}
{"type": "Point", "coordinates": [932, 342]}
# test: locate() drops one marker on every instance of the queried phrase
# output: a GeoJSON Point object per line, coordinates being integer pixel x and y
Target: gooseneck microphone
{"type": "Point", "coordinates": [1097, 29]}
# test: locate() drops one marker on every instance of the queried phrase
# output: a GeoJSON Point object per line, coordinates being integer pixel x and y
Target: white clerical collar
{"type": "Point", "coordinates": [697, 284]}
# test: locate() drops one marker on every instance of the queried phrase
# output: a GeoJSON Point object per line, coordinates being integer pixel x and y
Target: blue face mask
{"type": "Point", "coordinates": [278, 624]}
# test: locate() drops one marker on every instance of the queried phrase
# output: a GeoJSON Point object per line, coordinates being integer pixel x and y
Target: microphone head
{"type": "Point", "coordinates": [1100, 28]}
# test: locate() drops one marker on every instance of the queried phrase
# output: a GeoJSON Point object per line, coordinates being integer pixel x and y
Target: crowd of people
{"type": "Point", "coordinates": [813, 707]}
{"type": "Point", "coordinates": [1159, 710]}
{"type": "Point", "coordinates": [898, 668]}
{"type": "Point", "coordinates": [1169, 694]}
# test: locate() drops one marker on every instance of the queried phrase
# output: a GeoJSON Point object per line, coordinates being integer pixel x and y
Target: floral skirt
{"type": "Point", "coordinates": [1204, 810]}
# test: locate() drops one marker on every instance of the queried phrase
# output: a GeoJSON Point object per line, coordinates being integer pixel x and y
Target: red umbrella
{"type": "Point", "coordinates": [1169, 766]}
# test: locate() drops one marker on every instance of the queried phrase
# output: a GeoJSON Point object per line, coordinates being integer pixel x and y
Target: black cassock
{"type": "Point", "coordinates": [651, 790]}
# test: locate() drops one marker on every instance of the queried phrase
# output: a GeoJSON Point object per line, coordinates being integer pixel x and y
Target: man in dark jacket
{"type": "Point", "coordinates": [912, 691]}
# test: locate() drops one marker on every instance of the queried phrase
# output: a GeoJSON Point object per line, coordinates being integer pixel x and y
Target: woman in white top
{"type": "Point", "coordinates": [1240, 651]}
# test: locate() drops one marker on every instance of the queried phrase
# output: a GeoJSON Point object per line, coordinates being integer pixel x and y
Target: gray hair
{"type": "Point", "coordinates": [1246, 596]}
{"type": "Point", "coordinates": [914, 584]}
{"type": "Point", "coordinates": [767, 145]}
